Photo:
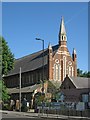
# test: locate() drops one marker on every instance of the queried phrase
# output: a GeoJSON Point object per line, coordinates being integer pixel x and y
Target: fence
{"type": "Point", "coordinates": [61, 109]}
{"type": "Point", "coordinates": [85, 113]}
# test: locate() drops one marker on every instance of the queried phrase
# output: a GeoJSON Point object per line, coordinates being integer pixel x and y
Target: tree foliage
{"type": "Point", "coordinates": [80, 73]}
{"type": "Point", "coordinates": [4, 91]}
{"type": "Point", "coordinates": [6, 64]}
{"type": "Point", "coordinates": [7, 57]}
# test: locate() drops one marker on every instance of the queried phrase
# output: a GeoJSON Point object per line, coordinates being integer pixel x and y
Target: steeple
{"type": "Point", "coordinates": [49, 46]}
{"type": "Point", "coordinates": [62, 32]}
{"type": "Point", "coordinates": [74, 55]}
{"type": "Point", "coordinates": [74, 51]}
{"type": "Point", "coordinates": [62, 27]}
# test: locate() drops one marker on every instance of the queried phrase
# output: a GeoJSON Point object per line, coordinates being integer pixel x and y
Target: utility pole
{"type": "Point", "coordinates": [20, 90]}
{"type": "Point", "coordinates": [42, 63]}
{"type": "Point", "coordinates": [42, 70]}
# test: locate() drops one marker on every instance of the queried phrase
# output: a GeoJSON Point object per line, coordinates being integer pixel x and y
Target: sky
{"type": "Point", "coordinates": [22, 22]}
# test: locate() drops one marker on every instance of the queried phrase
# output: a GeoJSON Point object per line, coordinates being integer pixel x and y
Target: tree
{"type": "Point", "coordinates": [4, 91]}
{"type": "Point", "coordinates": [80, 73]}
{"type": "Point", "coordinates": [39, 97]}
{"type": "Point", "coordinates": [7, 62]}
{"type": "Point", "coordinates": [7, 57]}
{"type": "Point", "coordinates": [88, 74]}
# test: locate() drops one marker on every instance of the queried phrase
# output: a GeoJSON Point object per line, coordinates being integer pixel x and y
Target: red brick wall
{"type": "Point", "coordinates": [58, 55]}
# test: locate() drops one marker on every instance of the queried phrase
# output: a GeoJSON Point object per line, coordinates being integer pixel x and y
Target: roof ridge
{"type": "Point", "coordinates": [34, 53]}
{"type": "Point", "coordinates": [30, 62]}
{"type": "Point", "coordinates": [29, 55]}
{"type": "Point", "coordinates": [73, 81]}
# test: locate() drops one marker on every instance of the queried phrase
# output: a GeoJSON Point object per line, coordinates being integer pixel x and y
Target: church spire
{"type": "Point", "coordinates": [62, 27]}
{"type": "Point", "coordinates": [74, 55]}
{"type": "Point", "coordinates": [62, 32]}
{"type": "Point", "coordinates": [49, 46]}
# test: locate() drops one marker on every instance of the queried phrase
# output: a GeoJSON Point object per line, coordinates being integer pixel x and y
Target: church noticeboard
{"type": "Point", "coordinates": [80, 106]}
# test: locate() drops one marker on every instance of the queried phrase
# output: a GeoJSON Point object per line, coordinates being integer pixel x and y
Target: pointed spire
{"type": "Point", "coordinates": [49, 46]}
{"type": "Point", "coordinates": [62, 27]}
{"type": "Point", "coordinates": [74, 55]}
{"type": "Point", "coordinates": [62, 33]}
{"type": "Point", "coordinates": [74, 51]}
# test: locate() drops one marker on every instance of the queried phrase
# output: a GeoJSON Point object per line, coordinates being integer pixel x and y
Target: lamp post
{"type": "Point", "coordinates": [42, 63]}
{"type": "Point", "coordinates": [43, 69]}
{"type": "Point", "coordinates": [20, 91]}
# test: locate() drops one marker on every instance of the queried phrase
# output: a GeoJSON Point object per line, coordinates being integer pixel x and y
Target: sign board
{"type": "Point", "coordinates": [85, 97]}
{"type": "Point", "coordinates": [80, 106]}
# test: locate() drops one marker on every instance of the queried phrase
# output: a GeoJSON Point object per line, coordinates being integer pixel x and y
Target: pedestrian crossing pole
{"type": "Point", "coordinates": [20, 90]}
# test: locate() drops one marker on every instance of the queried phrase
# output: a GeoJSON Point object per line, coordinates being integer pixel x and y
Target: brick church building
{"type": "Point", "coordinates": [57, 63]}
{"type": "Point", "coordinates": [60, 62]}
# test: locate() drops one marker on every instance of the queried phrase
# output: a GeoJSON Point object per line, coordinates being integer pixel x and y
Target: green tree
{"type": "Point", "coordinates": [80, 73]}
{"type": "Point", "coordinates": [6, 64]}
{"type": "Point", "coordinates": [4, 91]}
{"type": "Point", "coordinates": [88, 74]}
{"type": "Point", "coordinates": [39, 97]}
{"type": "Point", "coordinates": [7, 57]}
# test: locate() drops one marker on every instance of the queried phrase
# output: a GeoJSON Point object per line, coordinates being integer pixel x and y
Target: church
{"type": "Point", "coordinates": [57, 64]}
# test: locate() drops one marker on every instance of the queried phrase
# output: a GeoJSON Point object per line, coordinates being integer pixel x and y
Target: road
{"type": "Point", "coordinates": [12, 115]}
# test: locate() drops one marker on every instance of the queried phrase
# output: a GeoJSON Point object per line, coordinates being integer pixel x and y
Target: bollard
{"type": "Point", "coordinates": [39, 113]}
{"type": "Point", "coordinates": [81, 113]}
{"type": "Point", "coordinates": [47, 113]}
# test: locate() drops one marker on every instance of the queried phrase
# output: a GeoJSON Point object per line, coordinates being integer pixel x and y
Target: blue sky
{"type": "Point", "coordinates": [23, 22]}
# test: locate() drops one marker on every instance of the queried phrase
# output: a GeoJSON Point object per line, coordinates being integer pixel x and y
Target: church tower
{"type": "Point", "coordinates": [62, 62]}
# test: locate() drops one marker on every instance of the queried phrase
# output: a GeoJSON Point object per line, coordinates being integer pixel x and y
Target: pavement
{"type": "Point", "coordinates": [45, 116]}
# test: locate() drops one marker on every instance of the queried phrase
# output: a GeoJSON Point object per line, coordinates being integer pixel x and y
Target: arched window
{"type": "Point", "coordinates": [64, 67]}
{"type": "Point", "coordinates": [57, 72]}
{"type": "Point", "coordinates": [72, 71]}
{"type": "Point", "coordinates": [54, 73]}
{"type": "Point", "coordinates": [69, 70]}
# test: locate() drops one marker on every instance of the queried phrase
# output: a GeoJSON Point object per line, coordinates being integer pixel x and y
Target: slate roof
{"type": "Point", "coordinates": [80, 82]}
{"type": "Point", "coordinates": [32, 61]}
{"type": "Point", "coordinates": [24, 89]}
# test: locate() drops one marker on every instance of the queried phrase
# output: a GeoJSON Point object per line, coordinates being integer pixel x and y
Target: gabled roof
{"type": "Point", "coordinates": [31, 62]}
{"type": "Point", "coordinates": [80, 82]}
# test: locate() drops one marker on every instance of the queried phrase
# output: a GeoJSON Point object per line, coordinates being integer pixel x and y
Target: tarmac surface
{"type": "Point", "coordinates": [13, 115]}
